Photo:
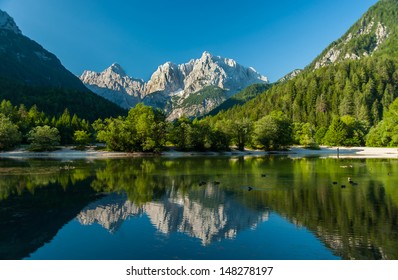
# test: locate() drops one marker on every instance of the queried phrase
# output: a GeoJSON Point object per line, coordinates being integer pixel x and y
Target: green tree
{"type": "Point", "coordinates": [336, 134]}
{"type": "Point", "coordinates": [180, 134]}
{"type": "Point", "coordinates": [112, 131]}
{"type": "Point", "coordinates": [273, 131]}
{"type": "Point", "coordinates": [241, 131]}
{"type": "Point", "coordinates": [356, 131]}
{"type": "Point", "coordinates": [9, 133]}
{"type": "Point", "coordinates": [81, 138]}
{"type": "Point", "coordinates": [43, 138]}
{"type": "Point", "coordinates": [143, 130]}
{"type": "Point", "coordinates": [8, 110]}
{"type": "Point", "coordinates": [147, 127]}
{"type": "Point", "coordinates": [304, 134]}
{"type": "Point", "coordinates": [386, 131]}
{"type": "Point", "coordinates": [64, 127]}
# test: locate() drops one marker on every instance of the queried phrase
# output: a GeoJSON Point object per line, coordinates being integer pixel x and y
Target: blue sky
{"type": "Point", "coordinates": [274, 37]}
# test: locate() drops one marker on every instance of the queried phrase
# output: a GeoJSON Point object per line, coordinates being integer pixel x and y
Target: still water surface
{"type": "Point", "coordinates": [199, 208]}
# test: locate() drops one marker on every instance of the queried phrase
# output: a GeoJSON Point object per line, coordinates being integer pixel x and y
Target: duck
{"type": "Point", "coordinates": [351, 181]}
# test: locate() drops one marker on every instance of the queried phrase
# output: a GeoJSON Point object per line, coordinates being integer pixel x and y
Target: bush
{"type": "Point", "coordinates": [43, 138]}
{"type": "Point", "coordinates": [9, 134]}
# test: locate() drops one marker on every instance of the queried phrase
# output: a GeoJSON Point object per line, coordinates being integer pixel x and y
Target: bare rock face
{"type": "Point", "coordinates": [345, 50]}
{"type": "Point", "coordinates": [290, 75]}
{"type": "Point", "coordinates": [171, 84]}
{"type": "Point", "coordinates": [167, 78]}
{"type": "Point", "coordinates": [114, 85]}
{"type": "Point", "coordinates": [225, 73]}
{"type": "Point", "coordinates": [8, 23]}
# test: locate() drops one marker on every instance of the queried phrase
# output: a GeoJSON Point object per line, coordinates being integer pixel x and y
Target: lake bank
{"type": "Point", "coordinates": [295, 151]}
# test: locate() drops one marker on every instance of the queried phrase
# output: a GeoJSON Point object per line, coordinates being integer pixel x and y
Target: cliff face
{"type": "Point", "coordinates": [171, 85]}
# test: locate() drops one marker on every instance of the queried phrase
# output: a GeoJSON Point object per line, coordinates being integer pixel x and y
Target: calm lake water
{"type": "Point", "coordinates": [199, 208]}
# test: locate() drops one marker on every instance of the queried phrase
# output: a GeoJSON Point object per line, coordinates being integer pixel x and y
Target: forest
{"type": "Point", "coordinates": [347, 104]}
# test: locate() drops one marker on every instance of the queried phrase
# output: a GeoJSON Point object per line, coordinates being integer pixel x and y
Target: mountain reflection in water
{"type": "Point", "coordinates": [177, 213]}
{"type": "Point", "coordinates": [201, 207]}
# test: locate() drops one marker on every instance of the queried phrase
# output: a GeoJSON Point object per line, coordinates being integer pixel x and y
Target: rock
{"type": "Point", "coordinates": [114, 85]}
{"type": "Point", "coordinates": [8, 23]}
{"type": "Point", "coordinates": [170, 85]}
{"type": "Point", "coordinates": [339, 51]}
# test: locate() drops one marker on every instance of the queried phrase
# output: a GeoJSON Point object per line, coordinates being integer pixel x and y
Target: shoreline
{"type": "Point", "coordinates": [293, 152]}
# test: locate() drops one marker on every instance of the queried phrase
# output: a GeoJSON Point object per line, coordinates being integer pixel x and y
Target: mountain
{"type": "Point", "coordinates": [240, 98]}
{"type": "Point", "coordinates": [177, 213]}
{"type": "Point", "coordinates": [290, 75]}
{"type": "Point", "coordinates": [190, 89]}
{"type": "Point", "coordinates": [355, 77]}
{"type": "Point", "coordinates": [30, 74]}
{"type": "Point", "coordinates": [374, 34]}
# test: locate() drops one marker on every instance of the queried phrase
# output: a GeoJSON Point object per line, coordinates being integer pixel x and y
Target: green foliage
{"type": "Point", "coordinates": [81, 138]}
{"type": "Point", "coordinates": [336, 134]}
{"type": "Point", "coordinates": [53, 101]}
{"type": "Point", "coordinates": [180, 133]}
{"type": "Point", "coordinates": [386, 132]}
{"type": "Point", "coordinates": [240, 98]}
{"type": "Point", "coordinates": [143, 130]}
{"type": "Point", "coordinates": [361, 89]}
{"type": "Point", "coordinates": [273, 131]}
{"type": "Point", "coordinates": [303, 134]}
{"type": "Point", "coordinates": [208, 93]}
{"type": "Point", "coordinates": [240, 132]}
{"type": "Point", "coordinates": [9, 133]}
{"type": "Point", "coordinates": [345, 131]}
{"type": "Point", "coordinates": [43, 138]}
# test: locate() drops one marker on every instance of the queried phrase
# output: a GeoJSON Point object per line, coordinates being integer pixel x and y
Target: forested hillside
{"type": "Point", "coordinates": [348, 87]}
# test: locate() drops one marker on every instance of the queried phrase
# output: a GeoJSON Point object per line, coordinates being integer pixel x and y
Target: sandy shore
{"type": "Point", "coordinates": [65, 153]}
{"type": "Point", "coordinates": [294, 152]}
{"type": "Point", "coordinates": [345, 152]}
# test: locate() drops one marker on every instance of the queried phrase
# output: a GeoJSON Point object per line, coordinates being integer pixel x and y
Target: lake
{"type": "Point", "coordinates": [218, 207]}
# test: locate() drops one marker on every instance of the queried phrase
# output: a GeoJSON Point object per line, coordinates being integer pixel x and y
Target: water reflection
{"type": "Point", "coordinates": [175, 212]}
{"type": "Point", "coordinates": [204, 198]}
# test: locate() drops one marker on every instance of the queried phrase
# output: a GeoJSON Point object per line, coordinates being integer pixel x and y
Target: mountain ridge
{"type": "Point", "coordinates": [170, 84]}
{"type": "Point", "coordinates": [31, 75]}
{"type": "Point", "coordinates": [371, 35]}
{"type": "Point", "coordinates": [350, 92]}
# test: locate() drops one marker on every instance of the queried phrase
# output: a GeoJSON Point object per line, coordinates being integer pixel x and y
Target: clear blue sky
{"type": "Point", "coordinates": [274, 37]}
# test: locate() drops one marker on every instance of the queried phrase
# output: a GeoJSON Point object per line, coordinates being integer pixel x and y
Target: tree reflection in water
{"type": "Point", "coordinates": [206, 198]}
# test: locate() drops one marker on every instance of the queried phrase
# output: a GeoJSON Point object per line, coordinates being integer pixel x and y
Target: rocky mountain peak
{"type": "Point", "coordinates": [8, 23]}
{"type": "Point", "coordinates": [206, 56]}
{"type": "Point", "coordinates": [166, 78]}
{"type": "Point", "coordinates": [171, 85]}
{"type": "Point", "coordinates": [117, 69]}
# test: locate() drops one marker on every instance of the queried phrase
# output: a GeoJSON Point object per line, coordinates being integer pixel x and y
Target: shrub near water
{"type": "Point", "coordinates": [43, 138]}
{"type": "Point", "coordinates": [9, 134]}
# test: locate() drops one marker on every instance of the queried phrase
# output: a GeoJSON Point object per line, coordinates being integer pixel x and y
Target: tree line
{"type": "Point", "coordinates": [342, 104]}
{"type": "Point", "coordinates": [348, 104]}
{"type": "Point", "coordinates": [144, 129]}
{"type": "Point", "coordinates": [19, 125]}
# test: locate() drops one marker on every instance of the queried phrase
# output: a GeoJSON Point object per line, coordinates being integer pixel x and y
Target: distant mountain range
{"type": "Point", "coordinates": [29, 74]}
{"type": "Point", "coordinates": [190, 89]}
